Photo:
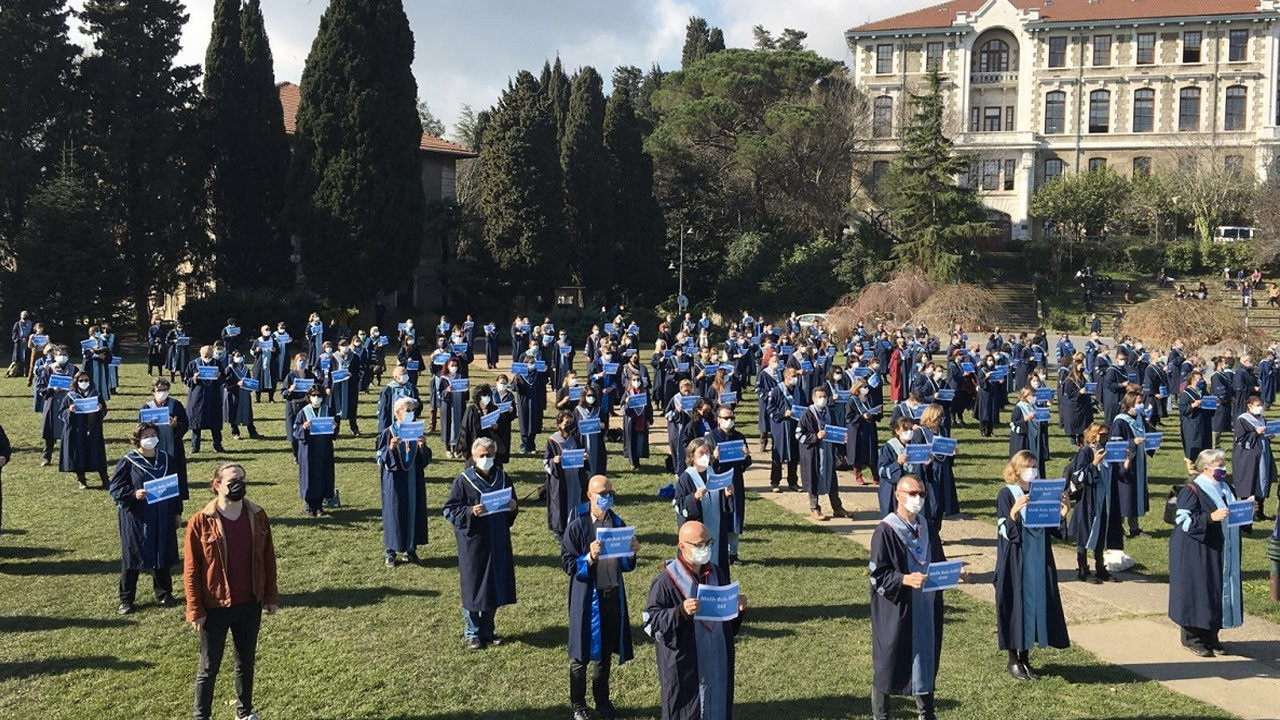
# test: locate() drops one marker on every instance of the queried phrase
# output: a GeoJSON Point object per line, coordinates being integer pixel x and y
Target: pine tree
{"type": "Point", "coordinates": [267, 151]}
{"type": "Point", "coordinates": [715, 41]}
{"type": "Point", "coordinates": [587, 202]}
{"type": "Point", "coordinates": [141, 143]}
{"type": "Point", "coordinates": [700, 40]}
{"type": "Point", "coordinates": [35, 73]}
{"type": "Point", "coordinates": [936, 219]}
{"type": "Point", "coordinates": [357, 172]}
{"type": "Point", "coordinates": [637, 218]}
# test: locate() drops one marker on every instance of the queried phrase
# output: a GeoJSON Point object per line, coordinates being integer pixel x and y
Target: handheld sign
{"type": "Point", "coordinates": [1117, 451]}
{"type": "Point", "coordinates": [1049, 490]}
{"type": "Point", "coordinates": [687, 402]}
{"type": "Point", "coordinates": [498, 501]}
{"type": "Point", "coordinates": [786, 349]}
{"type": "Point", "coordinates": [1209, 402]}
{"type": "Point", "coordinates": [573, 459]}
{"type": "Point", "coordinates": [566, 349]}
{"type": "Point", "coordinates": [728, 368]}
{"type": "Point", "coordinates": [918, 453]}
{"type": "Point", "coordinates": [86, 405]}
{"type": "Point", "coordinates": [609, 368]}
{"type": "Point", "coordinates": [249, 384]}
{"type": "Point", "coordinates": [1042, 414]}
{"type": "Point", "coordinates": [490, 328]}
{"type": "Point", "coordinates": [732, 451]}
{"type": "Point", "coordinates": [944, 446]}
{"type": "Point", "coordinates": [284, 338]}
{"type": "Point", "coordinates": [159, 416]}
{"type": "Point", "coordinates": [323, 425]}
{"type": "Point", "coordinates": [728, 398]}
{"type": "Point", "coordinates": [574, 393]}
{"type": "Point", "coordinates": [445, 327]}
{"type": "Point", "coordinates": [797, 411]}
{"type": "Point", "coordinates": [411, 431]}
{"type": "Point", "coordinates": [836, 434]}
{"type": "Point", "coordinates": [1044, 394]}
{"type": "Point", "coordinates": [266, 344]}
{"type": "Point", "coordinates": [861, 372]}
{"type": "Point", "coordinates": [615, 542]}
{"type": "Point", "coordinates": [842, 397]}
{"type": "Point", "coordinates": [233, 331]}
{"type": "Point", "coordinates": [460, 385]}
{"type": "Point", "coordinates": [341, 375]}
{"type": "Point", "coordinates": [589, 426]}
{"type": "Point", "coordinates": [1241, 513]}
{"type": "Point", "coordinates": [1132, 377]}
{"type": "Point", "coordinates": [89, 344]}
{"type": "Point", "coordinates": [637, 401]}
{"type": "Point", "coordinates": [945, 395]}
{"type": "Point", "coordinates": [182, 341]}
{"type": "Point", "coordinates": [720, 481]}
{"type": "Point", "coordinates": [942, 576]}
{"type": "Point", "coordinates": [469, 324]}
{"type": "Point", "coordinates": [489, 420]}
{"type": "Point", "coordinates": [116, 361]}
{"type": "Point", "coordinates": [682, 367]}
{"type": "Point", "coordinates": [717, 603]}
{"type": "Point", "coordinates": [383, 341]}
{"type": "Point", "coordinates": [540, 366]}
{"type": "Point", "coordinates": [1164, 390]}
{"type": "Point", "coordinates": [873, 380]}
{"type": "Point", "coordinates": [1153, 441]}
{"type": "Point", "coordinates": [504, 407]}
{"type": "Point", "coordinates": [413, 366]}
{"type": "Point", "coordinates": [207, 372]}
{"type": "Point", "coordinates": [39, 341]}
{"type": "Point", "coordinates": [1042, 514]}
{"type": "Point", "coordinates": [608, 328]}
{"type": "Point", "coordinates": [159, 490]}
{"type": "Point", "coordinates": [1273, 428]}
{"type": "Point", "coordinates": [440, 357]}
{"type": "Point", "coordinates": [999, 374]}
{"type": "Point", "coordinates": [806, 366]}
{"type": "Point", "coordinates": [460, 348]}
{"type": "Point", "coordinates": [521, 369]}
{"type": "Point", "coordinates": [966, 367]}
{"type": "Point", "coordinates": [1091, 388]}
{"type": "Point", "coordinates": [303, 385]}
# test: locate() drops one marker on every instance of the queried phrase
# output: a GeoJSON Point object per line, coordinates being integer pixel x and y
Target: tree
{"type": "Point", "coordinates": [936, 219]}
{"type": "Point", "coordinates": [520, 188]}
{"type": "Point", "coordinates": [1213, 192]}
{"type": "Point", "coordinates": [150, 192]}
{"type": "Point", "coordinates": [637, 219]}
{"type": "Point", "coordinates": [715, 40]}
{"type": "Point", "coordinates": [1083, 204]}
{"type": "Point", "coordinates": [37, 70]}
{"type": "Point", "coordinates": [1150, 209]}
{"type": "Point", "coordinates": [588, 204]}
{"type": "Point", "coordinates": [645, 111]}
{"type": "Point", "coordinates": [700, 40]}
{"type": "Point", "coordinates": [790, 39]}
{"type": "Point", "coordinates": [763, 38]}
{"type": "Point", "coordinates": [431, 124]}
{"type": "Point", "coordinates": [357, 172]}
{"type": "Point", "coordinates": [266, 153]}
{"type": "Point", "coordinates": [555, 87]}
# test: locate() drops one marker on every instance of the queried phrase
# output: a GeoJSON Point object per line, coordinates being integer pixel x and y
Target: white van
{"type": "Point", "coordinates": [1231, 233]}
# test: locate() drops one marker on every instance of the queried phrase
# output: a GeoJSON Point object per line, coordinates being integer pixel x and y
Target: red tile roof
{"type": "Point", "coordinates": [941, 16]}
{"type": "Point", "coordinates": [291, 97]}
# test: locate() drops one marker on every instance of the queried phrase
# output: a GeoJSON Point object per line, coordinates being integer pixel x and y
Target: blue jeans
{"type": "Point", "coordinates": [478, 624]}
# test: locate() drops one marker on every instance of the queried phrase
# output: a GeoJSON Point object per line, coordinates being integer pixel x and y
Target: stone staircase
{"type": "Point", "coordinates": [1008, 282]}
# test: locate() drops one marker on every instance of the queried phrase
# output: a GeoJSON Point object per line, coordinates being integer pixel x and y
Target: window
{"type": "Point", "coordinates": [1233, 163]}
{"type": "Point", "coordinates": [1191, 47]}
{"type": "Point", "coordinates": [1101, 50]}
{"type": "Point", "coordinates": [991, 119]}
{"type": "Point", "coordinates": [879, 169]}
{"type": "Point", "coordinates": [1238, 45]}
{"type": "Point", "coordinates": [1236, 96]}
{"type": "Point", "coordinates": [993, 56]}
{"type": "Point", "coordinates": [1146, 48]}
{"type": "Point", "coordinates": [882, 119]}
{"type": "Point", "coordinates": [1008, 118]}
{"type": "Point", "coordinates": [884, 59]}
{"type": "Point", "coordinates": [1052, 169]}
{"type": "Point", "coordinates": [990, 174]}
{"type": "Point", "coordinates": [1100, 111]}
{"type": "Point", "coordinates": [975, 119]}
{"type": "Point", "coordinates": [1144, 110]}
{"type": "Point", "coordinates": [1009, 166]}
{"type": "Point", "coordinates": [933, 56]}
{"type": "Point", "coordinates": [1189, 110]}
{"type": "Point", "coordinates": [1141, 166]}
{"type": "Point", "coordinates": [971, 172]}
{"type": "Point", "coordinates": [1055, 112]}
{"type": "Point", "coordinates": [1097, 163]}
{"type": "Point", "coordinates": [1057, 52]}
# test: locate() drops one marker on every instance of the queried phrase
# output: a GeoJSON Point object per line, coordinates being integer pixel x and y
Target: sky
{"type": "Point", "coordinates": [467, 50]}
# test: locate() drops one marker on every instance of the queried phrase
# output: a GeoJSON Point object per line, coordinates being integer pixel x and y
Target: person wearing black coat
{"type": "Point", "coordinates": [148, 528]}
{"type": "Point", "coordinates": [6, 453]}
{"type": "Point", "coordinates": [1195, 423]}
{"type": "Point", "coordinates": [1095, 521]}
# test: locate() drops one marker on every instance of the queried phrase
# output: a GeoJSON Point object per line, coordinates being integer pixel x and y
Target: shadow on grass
{"type": "Point", "coordinates": [349, 597]}
{"type": "Point", "coordinates": [61, 567]}
{"type": "Point", "coordinates": [340, 516]}
{"type": "Point", "coordinates": [28, 553]}
{"type": "Point", "coordinates": [807, 613]}
{"type": "Point", "coordinates": [41, 623]}
{"type": "Point", "coordinates": [62, 665]}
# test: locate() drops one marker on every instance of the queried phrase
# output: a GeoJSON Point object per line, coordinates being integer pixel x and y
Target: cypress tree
{"type": "Point", "coordinates": [224, 132]}
{"type": "Point", "coordinates": [700, 40]}
{"type": "Point", "coordinates": [356, 171]}
{"type": "Point", "coordinates": [587, 201]}
{"type": "Point", "coordinates": [141, 143]}
{"type": "Point", "coordinates": [556, 87]}
{"type": "Point", "coordinates": [636, 215]}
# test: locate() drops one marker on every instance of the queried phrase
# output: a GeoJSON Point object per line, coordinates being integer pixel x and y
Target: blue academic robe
{"type": "Point", "coordinates": [315, 459]}
{"type": "Point", "coordinates": [404, 492]}
{"type": "Point", "coordinates": [906, 624]}
{"type": "Point", "coordinates": [1134, 501]}
{"type": "Point", "coordinates": [148, 532]}
{"type": "Point", "coordinates": [714, 510]}
{"type": "Point", "coordinates": [171, 440]}
{"type": "Point", "coordinates": [781, 427]}
{"type": "Point", "coordinates": [1204, 560]}
{"type": "Point", "coordinates": [237, 402]}
{"type": "Point", "coordinates": [314, 334]}
{"type": "Point", "coordinates": [387, 401]}
{"type": "Point", "coordinates": [597, 454]}
{"type": "Point", "coordinates": [635, 430]}
{"type": "Point", "coordinates": [1195, 424]}
{"type": "Point", "coordinates": [1095, 519]}
{"type": "Point", "coordinates": [54, 399]}
{"type": "Point", "coordinates": [863, 441]}
{"type": "Point", "coordinates": [1253, 467]}
{"type": "Point", "coordinates": [566, 488]}
{"type": "Point", "coordinates": [97, 364]}
{"type": "Point", "coordinates": [1028, 605]}
{"type": "Point", "coordinates": [204, 397]}
{"type": "Point", "coordinates": [739, 468]}
{"type": "Point", "coordinates": [890, 472]}
{"type": "Point", "coordinates": [584, 599]}
{"type": "Point", "coordinates": [817, 457]}
{"type": "Point", "coordinates": [486, 564]}
{"type": "Point", "coordinates": [83, 448]}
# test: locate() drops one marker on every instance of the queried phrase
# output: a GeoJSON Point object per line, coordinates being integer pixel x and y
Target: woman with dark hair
{"type": "Point", "coordinates": [566, 487]}
{"type": "Point", "coordinates": [1195, 422]}
{"type": "Point", "coordinates": [83, 448]}
{"type": "Point", "coordinates": [1095, 521]}
{"type": "Point", "coordinates": [148, 527]}
{"type": "Point", "coordinates": [315, 455]}
{"type": "Point", "coordinates": [481, 404]}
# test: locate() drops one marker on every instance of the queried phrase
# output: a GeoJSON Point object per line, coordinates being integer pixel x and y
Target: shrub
{"type": "Point", "coordinates": [1144, 258]}
{"type": "Point", "coordinates": [203, 318]}
{"type": "Point", "coordinates": [1231, 255]}
{"type": "Point", "coordinates": [1200, 323]}
{"type": "Point", "coordinates": [1063, 321]}
{"type": "Point", "coordinates": [973, 307]}
{"type": "Point", "coordinates": [1182, 256]}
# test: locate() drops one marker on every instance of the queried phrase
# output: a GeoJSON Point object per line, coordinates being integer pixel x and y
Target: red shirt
{"type": "Point", "coordinates": [239, 538]}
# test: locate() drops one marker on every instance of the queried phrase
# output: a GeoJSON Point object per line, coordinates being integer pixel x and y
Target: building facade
{"type": "Point", "coordinates": [1038, 88]}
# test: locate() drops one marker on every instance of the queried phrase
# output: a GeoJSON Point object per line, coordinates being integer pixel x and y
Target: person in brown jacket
{"type": "Point", "coordinates": [229, 574]}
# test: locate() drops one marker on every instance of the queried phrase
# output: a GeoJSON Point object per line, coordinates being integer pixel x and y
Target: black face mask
{"type": "Point", "coordinates": [236, 490]}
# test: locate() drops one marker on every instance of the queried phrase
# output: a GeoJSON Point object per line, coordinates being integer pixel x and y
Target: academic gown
{"type": "Point", "coordinates": [890, 472]}
{"type": "Point", "coordinates": [1095, 520]}
{"type": "Point", "coordinates": [782, 428]}
{"type": "Point", "coordinates": [1075, 407]}
{"type": "Point", "coordinates": [1029, 435]}
{"type": "Point", "coordinates": [1204, 560]}
{"type": "Point", "coordinates": [171, 441]}
{"type": "Point", "coordinates": [1153, 380]}
{"type": "Point", "coordinates": [237, 402]}
{"type": "Point", "coordinates": [501, 434]}
{"type": "Point", "coordinates": [584, 599]}
{"type": "Point", "coordinates": [345, 394]}
{"type": "Point", "coordinates": [635, 429]}
{"type": "Point", "coordinates": [1028, 606]}
{"type": "Point", "coordinates": [817, 457]}
{"type": "Point", "coordinates": [491, 347]}
{"type": "Point", "coordinates": [387, 402]}
{"type": "Point", "coordinates": [403, 491]}
{"type": "Point", "coordinates": [529, 402]}
{"type": "Point", "coordinates": [714, 510]}
{"type": "Point", "coordinates": [677, 421]}
{"type": "Point", "coordinates": [990, 397]}
{"type": "Point", "coordinates": [739, 468]}
{"type": "Point", "coordinates": [97, 364]}
{"type": "Point", "coordinates": [204, 397]}
{"type": "Point", "coordinates": [1222, 389]}
{"type": "Point", "coordinates": [695, 658]}
{"type": "Point", "coordinates": [863, 440]}
{"type": "Point", "coordinates": [51, 425]}
{"type": "Point", "coordinates": [453, 403]}
{"type": "Point", "coordinates": [1112, 385]}
{"type": "Point", "coordinates": [1243, 383]}
{"type": "Point", "coordinates": [148, 533]}
{"type": "Point", "coordinates": [282, 358]}
{"type": "Point", "coordinates": [1253, 467]}
{"type": "Point", "coordinates": [906, 624]}
{"type": "Point", "coordinates": [83, 449]}
{"type": "Point", "coordinates": [265, 366]}
{"type": "Point", "coordinates": [1194, 423]}
{"type": "Point", "coordinates": [597, 453]}
{"type": "Point", "coordinates": [315, 459]}
{"type": "Point", "coordinates": [765, 383]}
{"type": "Point", "coordinates": [1134, 500]}
{"type": "Point", "coordinates": [566, 488]}
{"type": "Point", "coordinates": [314, 334]}
{"type": "Point", "coordinates": [176, 359]}
{"type": "Point", "coordinates": [486, 565]}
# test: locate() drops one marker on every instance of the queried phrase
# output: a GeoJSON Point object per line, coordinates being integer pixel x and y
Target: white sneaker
{"type": "Point", "coordinates": [250, 716]}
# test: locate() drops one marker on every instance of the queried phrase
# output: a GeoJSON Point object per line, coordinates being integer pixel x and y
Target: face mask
{"type": "Point", "coordinates": [1255, 410]}
{"type": "Point", "coordinates": [590, 400]}
{"type": "Point", "coordinates": [302, 364]}
{"type": "Point", "coordinates": [1035, 383]}
{"type": "Point", "coordinates": [239, 361]}
{"type": "Point", "coordinates": [914, 504]}
{"type": "Point", "coordinates": [573, 382]}
{"type": "Point", "coordinates": [700, 555]}
{"type": "Point", "coordinates": [236, 490]}
{"type": "Point", "coordinates": [1137, 408]}
{"type": "Point", "coordinates": [484, 400]}
{"type": "Point", "coordinates": [266, 334]}
{"type": "Point", "coordinates": [484, 464]}
{"type": "Point", "coordinates": [161, 395]}
{"type": "Point", "coordinates": [408, 416]}
{"type": "Point", "coordinates": [316, 401]}
{"type": "Point", "coordinates": [502, 387]}
{"type": "Point", "coordinates": [905, 438]}
{"type": "Point", "coordinates": [1030, 474]}
{"type": "Point", "coordinates": [837, 377]}
{"type": "Point", "coordinates": [604, 502]}
{"type": "Point", "coordinates": [863, 391]}
{"type": "Point", "coordinates": [409, 341]}
{"type": "Point", "coordinates": [149, 443]}
{"type": "Point", "coordinates": [220, 354]}
{"type": "Point", "coordinates": [62, 359]}
{"type": "Point", "coordinates": [409, 324]}
{"type": "Point", "coordinates": [1200, 384]}
{"type": "Point", "coordinates": [83, 385]}
{"type": "Point", "coordinates": [1219, 474]}
{"type": "Point", "coordinates": [635, 383]}
{"type": "Point", "coordinates": [991, 363]}
{"type": "Point", "coordinates": [1120, 362]}
{"type": "Point", "coordinates": [820, 403]}
{"type": "Point", "coordinates": [701, 462]}
{"type": "Point", "coordinates": [398, 380]}
{"type": "Point", "coordinates": [726, 424]}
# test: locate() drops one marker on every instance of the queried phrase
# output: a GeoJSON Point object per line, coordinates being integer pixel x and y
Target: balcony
{"type": "Point", "coordinates": [994, 78]}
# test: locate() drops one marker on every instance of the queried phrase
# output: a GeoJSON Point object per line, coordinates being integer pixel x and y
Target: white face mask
{"type": "Point", "coordinates": [573, 382]}
{"type": "Point", "coordinates": [1030, 474]}
{"type": "Point", "coordinates": [701, 462]}
{"type": "Point", "coordinates": [820, 403]}
{"type": "Point", "coordinates": [726, 425]}
{"type": "Point", "coordinates": [864, 391]}
{"type": "Point", "coordinates": [590, 400]}
{"type": "Point", "coordinates": [700, 555]}
{"type": "Point", "coordinates": [407, 416]}
{"type": "Point", "coordinates": [1256, 410]}
{"type": "Point", "coordinates": [83, 384]}
{"type": "Point", "coordinates": [484, 400]}
{"type": "Point", "coordinates": [905, 438]}
{"type": "Point", "coordinates": [914, 504]}
{"type": "Point", "coordinates": [502, 387]}
{"type": "Point", "coordinates": [316, 401]}
{"type": "Point", "coordinates": [149, 443]}
{"type": "Point", "coordinates": [485, 463]}
{"type": "Point", "coordinates": [161, 395]}
{"type": "Point", "coordinates": [635, 382]}
{"type": "Point", "coordinates": [62, 359]}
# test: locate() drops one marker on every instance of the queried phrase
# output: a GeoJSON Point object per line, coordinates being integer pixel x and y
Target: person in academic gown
{"type": "Point", "coordinates": [863, 439]}
{"type": "Point", "coordinates": [314, 334]}
{"type": "Point", "coordinates": [768, 379]}
{"type": "Point", "coordinates": [782, 426]}
{"type": "Point", "coordinates": [21, 332]}
{"type": "Point", "coordinates": [991, 394]}
{"type": "Point", "coordinates": [491, 346]}
{"type": "Point", "coordinates": [204, 399]}
{"type": "Point", "coordinates": [486, 565]}
{"type": "Point", "coordinates": [818, 457]}
{"type": "Point", "coordinates": [1113, 384]}
{"type": "Point", "coordinates": [1095, 521]}
{"type": "Point", "coordinates": [636, 422]}
{"type": "Point", "coordinates": [403, 466]}
{"type": "Point", "coordinates": [148, 531]}
{"type": "Point", "coordinates": [1222, 388]}
{"type": "Point", "coordinates": [315, 456]}
{"type": "Point", "coordinates": [1075, 402]}
{"type": "Point", "coordinates": [1025, 432]}
{"type": "Point", "coordinates": [1204, 559]}
{"type": "Point", "coordinates": [452, 401]}
{"type": "Point", "coordinates": [678, 418]}
{"type": "Point", "coordinates": [943, 500]}
{"type": "Point", "coordinates": [1028, 605]}
{"type": "Point", "coordinates": [238, 401]}
{"type": "Point", "coordinates": [566, 488]}
{"type": "Point", "coordinates": [399, 387]}
{"type": "Point", "coordinates": [97, 363]}
{"type": "Point", "coordinates": [411, 358]}
{"type": "Point", "coordinates": [470, 426]}
{"type": "Point", "coordinates": [112, 343]}
{"type": "Point", "coordinates": [172, 433]}
{"type": "Point", "coordinates": [906, 623]}
{"type": "Point", "coordinates": [899, 371]}
{"type": "Point", "coordinates": [503, 397]}
{"type": "Point", "coordinates": [589, 407]}
{"type": "Point", "coordinates": [83, 447]}
{"type": "Point", "coordinates": [712, 508]}
{"type": "Point", "coordinates": [1244, 385]}
{"type": "Point", "coordinates": [295, 399]}
{"type": "Point", "coordinates": [725, 432]}
{"type": "Point", "coordinates": [1154, 380]}
{"type": "Point", "coordinates": [230, 336]}
{"type": "Point", "coordinates": [695, 657]}
{"type": "Point", "coordinates": [598, 623]}
{"type": "Point", "coordinates": [176, 357]}
{"type": "Point", "coordinates": [344, 395]}
{"type": "Point", "coordinates": [1195, 423]}
{"type": "Point", "coordinates": [892, 465]}
{"type": "Point", "coordinates": [1253, 466]}
{"type": "Point", "coordinates": [1132, 474]}
{"type": "Point", "coordinates": [282, 356]}
{"type": "Point", "coordinates": [155, 345]}
{"type": "Point", "coordinates": [51, 413]}
{"type": "Point", "coordinates": [265, 352]}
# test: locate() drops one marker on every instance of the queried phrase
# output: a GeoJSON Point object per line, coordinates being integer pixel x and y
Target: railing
{"type": "Point", "coordinates": [993, 78]}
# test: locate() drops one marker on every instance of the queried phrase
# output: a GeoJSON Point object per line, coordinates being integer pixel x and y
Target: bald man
{"type": "Point", "coordinates": [204, 399]}
{"type": "Point", "coordinates": [598, 622]}
{"type": "Point", "coordinates": [695, 657]}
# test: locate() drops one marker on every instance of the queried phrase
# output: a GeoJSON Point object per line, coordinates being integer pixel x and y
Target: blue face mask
{"type": "Point", "coordinates": [604, 502]}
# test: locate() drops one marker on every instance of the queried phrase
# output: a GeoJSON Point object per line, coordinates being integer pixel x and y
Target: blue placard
{"type": "Point", "coordinates": [633, 329]}
{"type": "Point", "coordinates": [687, 402]}
{"type": "Point", "coordinates": [944, 395]}
{"type": "Point", "coordinates": [873, 381]}
{"type": "Point", "coordinates": [159, 416]}
{"type": "Point", "coordinates": [1091, 388]}
{"type": "Point", "coordinates": [732, 451]}
{"type": "Point", "coordinates": [266, 344]}
{"type": "Point", "coordinates": [1240, 513]}
{"type": "Point", "coordinates": [1047, 490]}
{"type": "Point", "coordinates": [1044, 394]}
{"type": "Point", "coordinates": [1273, 428]}
{"type": "Point", "coordinates": [303, 384]}
{"type": "Point", "coordinates": [116, 361]}
{"type": "Point", "coordinates": [1132, 377]}
{"type": "Point", "coordinates": [573, 459]}
{"type": "Point", "coordinates": [918, 453]}
{"type": "Point", "coordinates": [566, 349]}
{"type": "Point", "coordinates": [1163, 390]}
{"type": "Point", "coordinates": [489, 420]}
{"type": "Point", "coordinates": [498, 501]}
{"type": "Point", "coordinates": [998, 374]}
{"type": "Point", "coordinates": [412, 431]}
{"type": "Point", "coordinates": [682, 367]}
{"type": "Point", "coordinates": [797, 411]}
{"type": "Point", "coordinates": [843, 396]}
{"type": "Point", "coordinates": [440, 357]}
{"type": "Point", "coordinates": [637, 401]}
{"type": "Point", "coordinates": [284, 338]}
{"type": "Point", "coordinates": [1046, 514]}
{"type": "Point", "coordinates": [490, 328]}
{"type": "Point", "coordinates": [942, 576]}
{"type": "Point", "coordinates": [1042, 414]}
{"type": "Point", "coordinates": [39, 341]}
{"type": "Point", "coordinates": [525, 328]}
{"type": "Point", "coordinates": [574, 393]}
{"type": "Point", "coordinates": [836, 434]}
{"type": "Point", "coordinates": [609, 368]}
{"type": "Point", "coordinates": [727, 367]}
{"type": "Point", "coordinates": [504, 407]}
{"type": "Point", "coordinates": [944, 446]}
{"type": "Point", "coordinates": [460, 348]}
{"type": "Point", "coordinates": [547, 339]}
{"type": "Point", "coordinates": [412, 366]}
{"type": "Point", "coordinates": [1117, 451]}
{"type": "Point", "coordinates": [705, 322]}
{"type": "Point", "coordinates": [249, 384]}
{"type": "Point", "coordinates": [323, 425]}
{"type": "Point", "coordinates": [402, 327]}
{"type": "Point", "coordinates": [966, 367]}
{"type": "Point", "coordinates": [86, 405]}
{"type": "Point", "coordinates": [469, 324]}
{"type": "Point", "coordinates": [1209, 402]}
{"type": "Point", "coordinates": [540, 366]}
{"type": "Point", "coordinates": [232, 331]}
{"type": "Point", "coordinates": [88, 344]}
{"type": "Point", "coordinates": [182, 341]}
{"type": "Point", "coordinates": [459, 385]}
{"type": "Point", "coordinates": [325, 362]}
{"type": "Point", "coordinates": [159, 490]}
{"type": "Point", "coordinates": [589, 426]}
{"type": "Point", "coordinates": [615, 542]}
{"type": "Point", "coordinates": [717, 603]}
{"type": "Point", "coordinates": [207, 372]}
{"type": "Point", "coordinates": [340, 375]}
{"type": "Point", "coordinates": [861, 372]}
{"type": "Point", "coordinates": [518, 368]}
{"type": "Point", "coordinates": [609, 328]}
{"type": "Point", "coordinates": [728, 398]}
{"type": "Point", "coordinates": [806, 366]}
{"type": "Point", "coordinates": [867, 355]}
{"type": "Point", "coordinates": [1154, 441]}
{"type": "Point", "coordinates": [720, 481]}
{"type": "Point", "coordinates": [444, 327]}
{"type": "Point", "coordinates": [383, 341]}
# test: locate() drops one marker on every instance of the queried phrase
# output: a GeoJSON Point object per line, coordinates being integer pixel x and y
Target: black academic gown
{"type": "Point", "coordinates": [714, 510]}
{"type": "Point", "coordinates": [204, 397]}
{"type": "Point", "coordinates": [1195, 424]}
{"type": "Point", "coordinates": [148, 532]}
{"type": "Point", "coordinates": [486, 564]}
{"type": "Point", "coordinates": [1222, 388]}
{"type": "Point", "coordinates": [892, 611]}
{"type": "Point", "coordinates": [83, 448]}
{"type": "Point", "coordinates": [315, 459]}
{"type": "Point", "coordinates": [1196, 563]}
{"type": "Point", "coordinates": [1011, 583]}
{"type": "Point", "coordinates": [1094, 510]}
{"type": "Point", "coordinates": [739, 468]}
{"type": "Point", "coordinates": [635, 429]}
{"type": "Point", "coordinates": [1075, 407]}
{"type": "Point", "coordinates": [1244, 383]}
{"type": "Point", "coordinates": [387, 402]}
{"type": "Point", "coordinates": [404, 492]}
{"type": "Point", "coordinates": [584, 604]}
{"type": "Point", "coordinates": [1253, 466]}
{"type": "Point", "coordinates": [566, 489]}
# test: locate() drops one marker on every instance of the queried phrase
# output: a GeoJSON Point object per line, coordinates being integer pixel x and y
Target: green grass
{"type": "Point", "coordinates": [354, 640]}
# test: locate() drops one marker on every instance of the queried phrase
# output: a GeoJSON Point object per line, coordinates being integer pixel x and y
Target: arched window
{"type": "Point", "coordinates": [1144, 110]}
{"type": "Point", "coordinates": [1055, 113]}
{"type": "Point", "coordinates": [1189, 109]}
{"type": "Point", "coordinates": [993, 56]}
{"type": "Point", "coordinates": [1100, 111]}
{"type": "Point", "coordinates": [882, 117]}
{"type": "Point", "coordinates": [1237, 97]}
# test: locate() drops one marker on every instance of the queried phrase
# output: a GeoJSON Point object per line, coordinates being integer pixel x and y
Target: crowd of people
{"type": "Point", "coordinates": [823, 394]}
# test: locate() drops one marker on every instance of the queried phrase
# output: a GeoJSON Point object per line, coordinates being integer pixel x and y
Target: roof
{"type": "Point", "coordinates": [291, 97]}
{"type": "Point", "coordinates": [1057, 11]}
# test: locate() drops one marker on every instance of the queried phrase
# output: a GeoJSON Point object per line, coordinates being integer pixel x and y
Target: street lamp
{"type": "Point", "coordinates": [681, 300]}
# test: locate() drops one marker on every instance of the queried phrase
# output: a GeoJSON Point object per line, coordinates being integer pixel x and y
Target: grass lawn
{"type": "Point", "coordinates": [354, 640]}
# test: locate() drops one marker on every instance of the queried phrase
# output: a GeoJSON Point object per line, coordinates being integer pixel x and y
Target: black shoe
{"type": "Point", "coordinates": [605, 710]}
{"type": "Point", "coordinates": [495, 641]}
{"type": "Point", "coordinates": [796, 488]}
{"type": "Point", "coordinates": [581, 715]}
{"type": "Point", "coordinates": [1082, 574]}
{"type": "Point", "coordinates": [733, 560]}
{"type": "Point", "coordinates": [475, 643]}
{"type": "Point", "coordinates": [218, 449]}
{"type": "Point", "coordinates": [1199, 651]}
{"type": "Point", "coordinates": [168, 601]}
{"type": "Point", "coordinates": [413, 558]}
{"type": "Point", "coordinates": [1026, 669]}
{"type": "Point", "coordinates": [1017, 671]}
{"type": "Point", "coordinates": [125, 609]}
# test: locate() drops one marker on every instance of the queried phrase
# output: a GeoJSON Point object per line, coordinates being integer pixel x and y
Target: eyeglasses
{"type": "Point", "coordinates": [914, 493]}
{"type": "Point", "coordinates": [709, 543]}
